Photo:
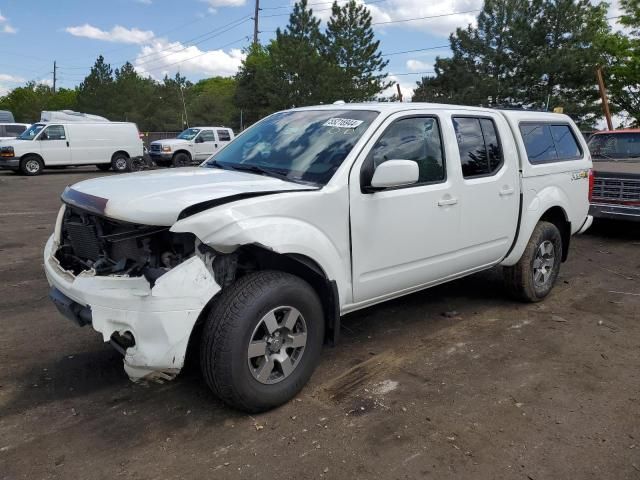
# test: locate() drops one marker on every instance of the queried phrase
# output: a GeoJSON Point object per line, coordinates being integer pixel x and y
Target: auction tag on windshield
{"type": "Point", "coordinates": [342, 123]}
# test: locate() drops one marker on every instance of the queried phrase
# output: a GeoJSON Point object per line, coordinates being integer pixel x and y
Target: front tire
{"type": "Point", "coordinates": [533, 277]}
{"type": "Point", "coordinates": [262, 340]}
{"type": "Point", "coordinates": [31, 165]}
{"type": "Point", "coordinates": [181, 160]}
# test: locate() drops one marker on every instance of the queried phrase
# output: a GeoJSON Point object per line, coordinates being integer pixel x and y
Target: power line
{"type": "Point", "coordinates": [415, 50]}
{"type": "Point", "coordinates": [410, 73]}
{"type": "Point", "coordinates": [428, 17]}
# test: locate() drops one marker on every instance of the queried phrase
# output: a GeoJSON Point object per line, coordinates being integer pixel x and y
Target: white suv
{"type": "Point", "coordinates": [192, 146]}
{"type": "Point", "coordinates": [308, 215]}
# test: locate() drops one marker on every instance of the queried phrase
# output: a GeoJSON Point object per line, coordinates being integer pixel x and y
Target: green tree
{"type": "Point", "coordinates": [532, 54]}
{"type": "Point", "coordinates": [211, 103]}
{"type": "Point", "coordinates": [351, 46]}
{"type": "Point", "coordinates": [96, 90]}
{"type": "Point", "coordinates": [622, 68]}
{"type": "Point", "coordinates": [132, 98]}
{"type": "Point", "coordinates": [301, 75]}
{"type": "Point", "coordinates": [255, 91]}
{"type": "Point", "coordinates": [29, 101]}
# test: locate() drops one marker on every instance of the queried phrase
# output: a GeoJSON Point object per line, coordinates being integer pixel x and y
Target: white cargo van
{"type": "Point", "coordinates": [106, 145]}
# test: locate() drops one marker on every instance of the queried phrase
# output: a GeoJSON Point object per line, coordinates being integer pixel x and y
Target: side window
{"type": "Point", "coordinates": [549, 143]}
{"type": "Point", "coordinates": [14, 130]}
{"type": "Point", "coordinates": [223, 135]}
{"type": "Point", "coordinates": [207, 136]}
{"type": "Point", "coordinates": [53, 132]}
{"type": "Point", "coordinates": [479, 146]}
{"type": "Point", "coordinates": [417, 139]}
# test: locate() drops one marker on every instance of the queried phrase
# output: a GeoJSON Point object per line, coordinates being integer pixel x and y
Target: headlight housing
{"type": "Point", "coordinates": [7, 152]}
{"type": "Point", "coordinates": [166, 148]}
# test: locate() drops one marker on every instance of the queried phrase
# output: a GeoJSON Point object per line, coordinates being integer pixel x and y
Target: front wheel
{"type": "Point", "coordinates": [181, 160]}
{"type": "Point", "coordinates": [533, 277]}
{"type": "Point", "coordinates": [262, 340]}
{"type": "Point", "coordinates": [31, 165]}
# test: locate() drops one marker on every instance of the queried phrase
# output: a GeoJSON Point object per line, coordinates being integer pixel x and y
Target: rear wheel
{"type": "Point", "coordinates": [181, 160]}
{"type": "Point", "coordinates": [104, 167]}
{"type": "Point", "coordinates": [535, 274]}
{"type": "Point", "coordinates": [31, 165]}
{"type": "Point", "coordinates": [262, 340]}
{"type": "Point", "coordinates": [120, 163]}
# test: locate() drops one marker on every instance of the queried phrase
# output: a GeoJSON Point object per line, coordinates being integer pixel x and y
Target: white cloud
{"type": "Point", "coordinates": [5, 77]}
{"type": "Point", "coordinates": [406, 87]}
{"type": "Point", "coordinates": [117, 34]}
{"type": "Point", "coordinates": [438, 25]}
{"type": "Point", "coordinates": [145, 2]}
{"type": "Point", "coordinates": [5, 26]}
{"type": "Point", "coordinates": [226, 3]}
{"type": "Point", "coordinates": [418, 65]}
{"type": "Point", "coordinates": [162, 57]}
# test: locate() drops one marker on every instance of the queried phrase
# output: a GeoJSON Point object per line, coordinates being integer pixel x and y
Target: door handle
{"type": "Point", "coordinates": [215, 145]}
{"type": "Point", "coordinates": [67, 144]}
{"type": "Point", "coordinates": [506, 191]}
{"type": "Point", "coordinates": [447, 201]}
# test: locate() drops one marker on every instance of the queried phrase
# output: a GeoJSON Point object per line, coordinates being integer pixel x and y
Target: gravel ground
{"type": "Point", "coordinates": [454, 382]}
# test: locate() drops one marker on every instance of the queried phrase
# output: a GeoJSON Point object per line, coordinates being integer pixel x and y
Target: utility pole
{"type": "Point", "coordinates": [55, 71]}
{"type": "Point", "coordinates": [603, 96]}
{"type": "Point", "coordinates": [399, 92]}
{"type": "Point", "coordinates": [256, 13]}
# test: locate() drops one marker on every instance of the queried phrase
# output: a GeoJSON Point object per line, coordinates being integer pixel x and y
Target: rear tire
{"type": "Point", "coordinates": [120, 162]}
{"type": "Point", "coordinates": [533, 277]}
{"type": "Point", "coordinates": [274, 311]}
{"type": "Point", "coordinates": [31, 165]}
{"type": "Point", "coordinates": [104, 167]}
{"type": "Point", "coordinates": [181, 160]}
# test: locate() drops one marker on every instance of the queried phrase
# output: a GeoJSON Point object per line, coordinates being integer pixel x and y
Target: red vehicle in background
{"type": "Point", "coordinates": [616, 169]}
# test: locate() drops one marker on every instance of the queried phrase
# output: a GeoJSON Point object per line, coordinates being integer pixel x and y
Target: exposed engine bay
{"type": "Point", "coordinates": [111, 247]}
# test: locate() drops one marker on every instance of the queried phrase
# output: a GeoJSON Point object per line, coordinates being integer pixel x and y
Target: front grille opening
{"type": "Point", "coordinates": [616, 189]}
{"type": "Point", "coordinates": [111, 247]}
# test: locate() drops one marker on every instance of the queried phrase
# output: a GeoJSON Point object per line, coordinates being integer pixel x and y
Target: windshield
{"type": "Point", "coordinates": [303, 146]}
{"type": "Point", "coordinates": [31, 132]}
{"type": "Point", "coordinates": [615, 146]}
{"type": "Point", "coordinates": [189, 134]}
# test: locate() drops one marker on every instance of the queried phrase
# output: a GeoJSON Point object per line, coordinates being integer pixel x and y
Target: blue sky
{"type": "Point", "coordinates": [200, 38]}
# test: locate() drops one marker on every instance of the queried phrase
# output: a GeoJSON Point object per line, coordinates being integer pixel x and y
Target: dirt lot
{"type": "Point", "coordinates": [454, 382]}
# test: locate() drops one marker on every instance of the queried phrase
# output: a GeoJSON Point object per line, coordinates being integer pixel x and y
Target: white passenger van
{"type": "Point", "coordinates": [108, 145]}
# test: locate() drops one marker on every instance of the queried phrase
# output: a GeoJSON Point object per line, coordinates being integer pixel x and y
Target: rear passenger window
{"type": "Point", "coordinates": [479, 146]}
{"type": "Point", "coordinates": [546, 143]}
{"type": "Point", "coordinates": [224, 136]}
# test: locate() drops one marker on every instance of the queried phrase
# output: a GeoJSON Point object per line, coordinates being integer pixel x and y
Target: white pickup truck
{"type": "Point", "coordinates": [308, 215]}
{"type": "Point", "coordinates": [195, 144]}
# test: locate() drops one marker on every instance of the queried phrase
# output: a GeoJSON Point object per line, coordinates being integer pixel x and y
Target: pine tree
{"type": "Point", "coordinates": [524, 53]}
{"type": "Point", "coordinates": [301, 75]}
{"type": "Point", "coordinates": [96, 89]}
{"type": "Point", "coordinates": [351, 46]}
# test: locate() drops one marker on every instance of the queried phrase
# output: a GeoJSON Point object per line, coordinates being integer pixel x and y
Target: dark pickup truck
{"type": "Point", "coordinates": [616, 168]}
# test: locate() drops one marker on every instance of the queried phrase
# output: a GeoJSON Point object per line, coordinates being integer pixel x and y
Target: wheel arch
{"type": "Point", "coordinates": [120, 151]}
{"type": "Point", "coordinates": [550, 204]}
{"type": "Point", "coordinates": [33, 154]}
{"type": "Point", "coordinates": [182, 150]}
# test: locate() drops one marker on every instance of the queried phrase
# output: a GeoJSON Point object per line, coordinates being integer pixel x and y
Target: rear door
{"type": "Point", "coordinates": [54, 145]}
{"type": "Point", "coordinates": [489, 191]}
{"type": "Point", "coordinates": [205, 144]}
{"type": "Point", "coordinates": [224, 137]}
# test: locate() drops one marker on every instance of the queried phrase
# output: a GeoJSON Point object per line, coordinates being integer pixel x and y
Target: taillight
{"type": "Point", "coordinates": [591, 181]}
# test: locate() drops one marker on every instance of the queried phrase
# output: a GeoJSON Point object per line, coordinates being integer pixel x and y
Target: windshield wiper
{"type": "Point", "coordinates": [216, 164]}
{"type": "Point", "coordinates": [244, 167]}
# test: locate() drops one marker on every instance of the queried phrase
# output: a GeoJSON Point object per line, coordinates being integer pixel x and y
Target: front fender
{"type": "Point", "coordinates": [534, 205]}
{"type": "Point", "coordinates": [282, 234]}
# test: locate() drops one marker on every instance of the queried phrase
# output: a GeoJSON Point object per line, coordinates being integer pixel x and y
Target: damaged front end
{"type": "Point", "coordinates": [111, 247]}
{"type": "Point", "coordinates": [142, 287]}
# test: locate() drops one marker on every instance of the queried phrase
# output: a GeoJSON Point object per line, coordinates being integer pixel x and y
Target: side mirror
{"type": "Point", "coordinates": [395, 173]}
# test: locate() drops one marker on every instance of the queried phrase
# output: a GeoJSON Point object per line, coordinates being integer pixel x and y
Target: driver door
{"type": "Point", "coordinates": [205, 144]}
{"type": "Point", "coordinates": [54, 145]}
{"type": "Point", "coordinates": [404, 237]}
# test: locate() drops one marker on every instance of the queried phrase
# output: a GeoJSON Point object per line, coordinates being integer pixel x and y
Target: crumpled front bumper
{"type": "Point", "coordinates": [160, 319]}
